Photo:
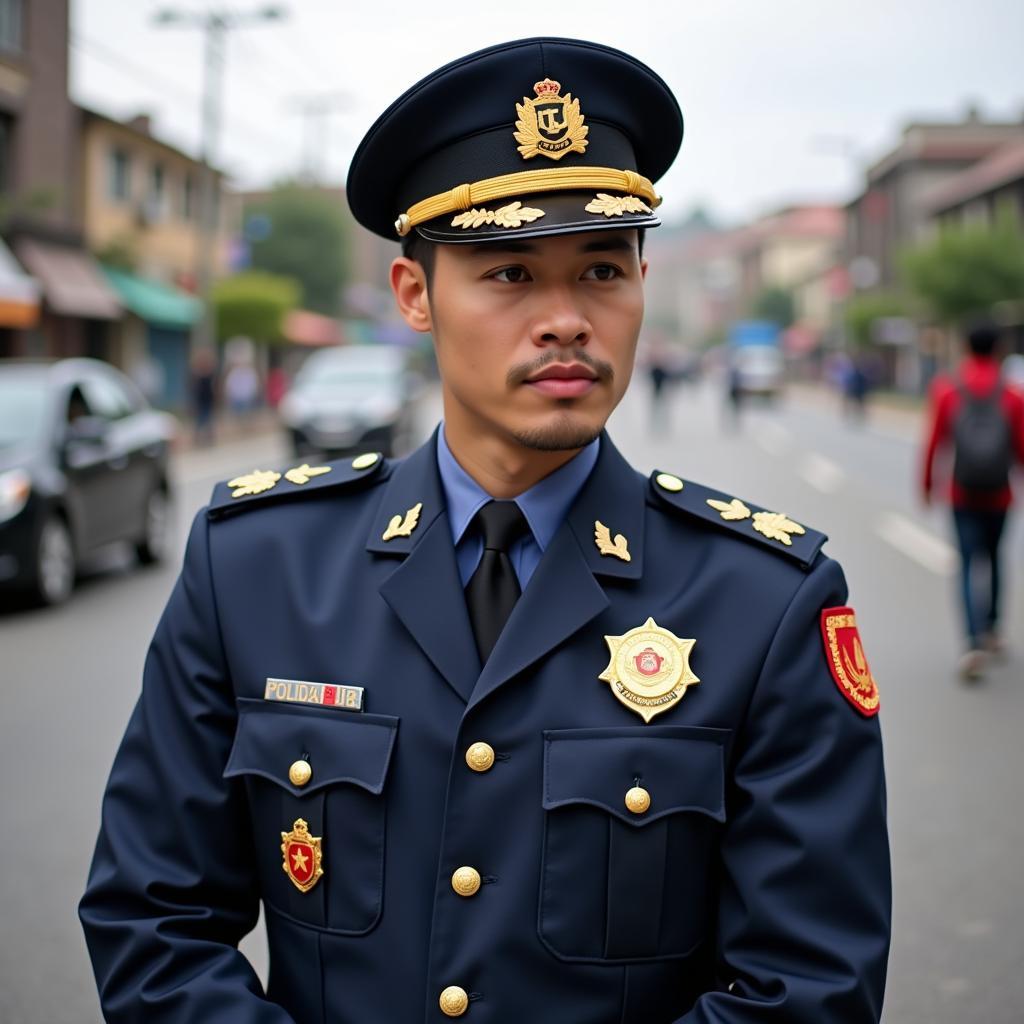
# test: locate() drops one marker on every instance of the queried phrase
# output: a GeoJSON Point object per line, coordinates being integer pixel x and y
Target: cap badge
{"type": "Point", "coordinates": [302, 856]}
{"type": "Point", "coordinates": [616, 206]}
{"type": "Point", "coordinates": [551, 124]}
{"type": "Point", "coordinates": [649, 670]}
{"type": "Point", "coordinates": [515, 215]}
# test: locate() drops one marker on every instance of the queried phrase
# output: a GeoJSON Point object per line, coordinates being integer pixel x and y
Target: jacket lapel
{"type": "Point", "coordinates": [563, 594]}
{"type": "Point", "coordinates": [424, 591]}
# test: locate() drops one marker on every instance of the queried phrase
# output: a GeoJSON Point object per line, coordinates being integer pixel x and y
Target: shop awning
{"type": "Point", "coordinates": [158, 304]}
{"type": "Point", "coordinates": [19, 293]}
{"type": "Point", "coordinates": [71, 279]}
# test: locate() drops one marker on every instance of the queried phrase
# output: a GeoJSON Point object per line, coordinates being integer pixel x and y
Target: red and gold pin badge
{"type": "Point", "coordinates": [302, 856]}
{"type": "Point", "coordinates": [846, 660]}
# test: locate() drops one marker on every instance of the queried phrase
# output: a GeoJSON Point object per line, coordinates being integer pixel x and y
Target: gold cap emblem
{"type": "Point", "coordinates": [649, 669]}
{"type": "Point", "coordinates": [550, 125]}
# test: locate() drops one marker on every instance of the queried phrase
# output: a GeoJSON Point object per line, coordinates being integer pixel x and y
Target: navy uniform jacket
{"type": "Point", "coordinates": [755, 889]}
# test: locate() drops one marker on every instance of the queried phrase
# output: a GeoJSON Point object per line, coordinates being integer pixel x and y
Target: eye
{"type": "Point", "coordinates": [510, 275]}
{"type": "Point", "coordinates": [602, 272]}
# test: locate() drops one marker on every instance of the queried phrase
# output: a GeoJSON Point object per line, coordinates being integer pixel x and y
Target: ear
{"type": "Point", "coordinates": [409, 283]}
{"type": "Point", "coordinates": [643, 270]}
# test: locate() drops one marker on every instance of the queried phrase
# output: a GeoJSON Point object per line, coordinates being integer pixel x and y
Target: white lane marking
{"type": "Point", "coordinates": [929, 551]}
{"type": "Point", "coordinates": [821, 473]}
{"type": "Point", "coordinates": [772, 437]}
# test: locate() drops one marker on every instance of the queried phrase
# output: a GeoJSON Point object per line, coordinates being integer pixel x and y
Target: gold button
{"type": "Point", "coordinates": [480, 757]}
{"type": "Point", "coordinates": [365, 461]}
{"type": "Point", "coordinates": [638, 800]}
{"type": "Point", "coordinates": [466, 881]}
{"type": "Point", "coordinates": [668, 482]}
{"type": "Point", "coordinates": [454, 1002]}
{"type": "Point", "coordinates": [300, 773]}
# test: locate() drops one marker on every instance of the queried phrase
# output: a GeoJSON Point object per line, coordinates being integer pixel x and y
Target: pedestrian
{"type": "Point", "coordinates": [975, 435]}
{"type": "Point", "coordinates": [505, 729]}
{"type": "Point", "coordinates": [203, 380]}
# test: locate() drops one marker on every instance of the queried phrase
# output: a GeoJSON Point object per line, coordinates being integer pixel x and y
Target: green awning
{"type": "Point", "coordinates": [157, 304]}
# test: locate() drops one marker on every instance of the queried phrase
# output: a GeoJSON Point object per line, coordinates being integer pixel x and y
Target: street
{"type": "Point", "coordinates": [71, 676]}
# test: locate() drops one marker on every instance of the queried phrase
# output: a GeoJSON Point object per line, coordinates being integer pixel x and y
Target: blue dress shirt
{"type": "Point", "coordinates": [544, 505]}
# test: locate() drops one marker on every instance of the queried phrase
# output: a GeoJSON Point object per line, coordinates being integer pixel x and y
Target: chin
{"type": "Point", "coordinates": [562, 432]}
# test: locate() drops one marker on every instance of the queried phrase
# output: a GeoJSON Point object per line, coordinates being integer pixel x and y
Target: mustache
{"type": "Point", "coordinates": [523, 371]}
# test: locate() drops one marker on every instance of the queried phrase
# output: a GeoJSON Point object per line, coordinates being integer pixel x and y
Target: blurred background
{"type": "Point", "coordinates": [184, 296]}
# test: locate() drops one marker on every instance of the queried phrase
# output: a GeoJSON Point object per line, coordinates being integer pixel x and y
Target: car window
{"type": "Point", "coordinates": [107, 397]}
{"type": "Point", "coordinates": [24, 403]}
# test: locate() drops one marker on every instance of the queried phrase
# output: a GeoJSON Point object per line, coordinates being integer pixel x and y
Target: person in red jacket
{"type": "Point", "coordinates": [976, 434]}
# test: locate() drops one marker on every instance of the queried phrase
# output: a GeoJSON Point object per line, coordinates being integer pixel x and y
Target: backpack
{"type": "Point", "coordinates": [982, 444]}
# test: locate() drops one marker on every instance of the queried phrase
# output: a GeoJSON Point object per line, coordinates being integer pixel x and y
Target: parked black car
{"type": "Point", "coordinates": [350, 398]}
{"type": "Point", "coordinates": [83, 463]}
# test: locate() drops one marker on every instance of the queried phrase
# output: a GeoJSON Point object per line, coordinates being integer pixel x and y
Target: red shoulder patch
{"type": "Point", "coordinates": [846, 660]}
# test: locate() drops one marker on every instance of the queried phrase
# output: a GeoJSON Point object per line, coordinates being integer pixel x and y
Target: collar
{"type": "Point", "coordinates": [544, 505]}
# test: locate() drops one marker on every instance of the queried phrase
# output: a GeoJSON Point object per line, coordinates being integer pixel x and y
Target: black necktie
{"type": "Point", "coordinates": [493, 589]}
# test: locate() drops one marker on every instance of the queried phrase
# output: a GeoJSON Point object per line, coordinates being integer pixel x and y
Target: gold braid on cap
{"type": "Point", "coordinates": [555, 179]}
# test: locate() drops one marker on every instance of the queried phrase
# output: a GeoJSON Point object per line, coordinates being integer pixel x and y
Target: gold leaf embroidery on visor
{"type": "Point", "coordinates": [515, 215]}
{"type": "Point", "coordinates": [616, 206]}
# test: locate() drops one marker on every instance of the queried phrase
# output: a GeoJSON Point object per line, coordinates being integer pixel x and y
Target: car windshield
{"type": "Point", "coordinates": [23, 408]}
{"type": "Point", "coordinates": [341, 379]}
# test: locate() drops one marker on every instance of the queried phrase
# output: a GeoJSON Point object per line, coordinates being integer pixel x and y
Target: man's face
{"type": "Point", "coordinates": [536, 339]}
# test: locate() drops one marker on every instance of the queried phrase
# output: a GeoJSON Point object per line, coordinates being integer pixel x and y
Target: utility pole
{"type": "Point", "coordinates": [315, 110]}
{"type": "Point", "coordinates": [215, 25]}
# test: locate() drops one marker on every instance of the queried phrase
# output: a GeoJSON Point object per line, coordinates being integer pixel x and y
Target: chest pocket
{"type": "Point", "coordinates": [343, 804]}
{"type": "Point", "coordinates": [619, 885]}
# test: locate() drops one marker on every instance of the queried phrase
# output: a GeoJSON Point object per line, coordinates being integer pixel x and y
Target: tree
{"type": "Point", "coordinates": [965, 270]}
{"type": "Point", "coordinates": [299, 233]}
{"type": "Point", "coordinates": [253, 304]}
{"type": "Point", "coordinates": [775, 305]}
{"type": "Point", "coordinates": [864, 309]}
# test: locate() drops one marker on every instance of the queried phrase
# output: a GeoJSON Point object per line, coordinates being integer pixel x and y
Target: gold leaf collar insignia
{"type": "Point", "coordinates": [514, 215]}
{"type": "Point", "coordinates": [550, 125]}
{"type": "Point", "coordinates": [304, 473]}
{"type": "Point", "coordinates": [730, 510]}
{"type": "Point", "coordinates": [616, 206]}
{"type": "Point", "coordinates": [256, 482]}
{"type": "Point", "coordinates": [619, 548]}
{"type": "Point", "coordinates": [403, 526]}
{"type": "Point", "coordinates": [777, 526]}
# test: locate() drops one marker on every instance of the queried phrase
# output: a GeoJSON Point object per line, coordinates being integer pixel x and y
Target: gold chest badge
{"type": "Point", "coordinates": [302, 856]}
{"type": "Point", "coordinates": [649, 669]}
{"type": "Point", "coordinates": [551, 125]}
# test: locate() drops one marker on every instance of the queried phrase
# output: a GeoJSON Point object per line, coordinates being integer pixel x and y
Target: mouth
{"type": "Point", "coordinates": [563, 380]}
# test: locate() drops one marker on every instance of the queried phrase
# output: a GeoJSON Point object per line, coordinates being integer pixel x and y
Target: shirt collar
{"type": "Point", "coordinates": [545, 504]}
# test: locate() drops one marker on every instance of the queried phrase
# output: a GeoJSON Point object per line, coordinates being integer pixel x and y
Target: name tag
{"type": "Point", "coordinates": [296, 691]}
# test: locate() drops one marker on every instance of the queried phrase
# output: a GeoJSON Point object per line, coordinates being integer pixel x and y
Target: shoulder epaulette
{"type": "Point", "coordinates": [263, 486]}
{"type": "Point", "coordinates": [751, 522]}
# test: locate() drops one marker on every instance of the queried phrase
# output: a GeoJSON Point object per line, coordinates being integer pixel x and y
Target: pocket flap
{"type": "Point", "coordinates": [681, 767]}
{"type": "Point", "coordinates": [341, 746]}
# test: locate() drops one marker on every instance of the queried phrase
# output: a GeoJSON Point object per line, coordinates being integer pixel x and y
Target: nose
{"type": "Point", "coordinates": [561, 321]}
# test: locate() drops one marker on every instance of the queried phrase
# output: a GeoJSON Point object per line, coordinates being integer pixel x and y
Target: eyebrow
{"type": "Point", "coordinates": [615, 244]}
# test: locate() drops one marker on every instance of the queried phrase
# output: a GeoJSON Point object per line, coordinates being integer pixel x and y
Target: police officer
{"type": "Point", "coordinates": [504, 730]}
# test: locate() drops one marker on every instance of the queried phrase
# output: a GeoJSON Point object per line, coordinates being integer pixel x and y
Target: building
{"type": "Point", "coordinates": [893, 210]}
{"type": "Point", "coordinates": [983, 191]}
{"type": "Point", "coordinates": [39, 211]}
{"type": "Point", "coordinates": [140, 199]}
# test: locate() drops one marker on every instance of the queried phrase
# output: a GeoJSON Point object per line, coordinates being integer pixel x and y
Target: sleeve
{"type": "Point", "coordinates": [805, 891]}
{"type": "Point", "coordinates": [173, 884]}
{"type": "Point", "coordinates": [938, 428]}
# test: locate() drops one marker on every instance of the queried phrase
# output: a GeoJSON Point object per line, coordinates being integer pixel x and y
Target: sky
{"type": "Point", "coordinates": [784, 101]}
